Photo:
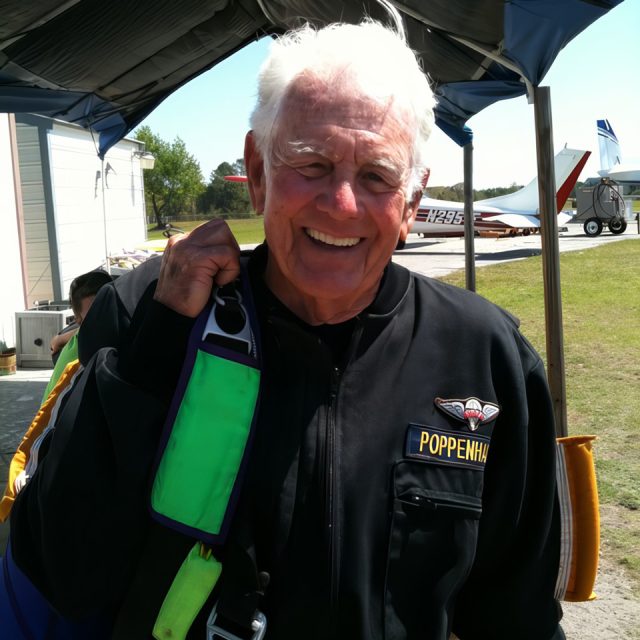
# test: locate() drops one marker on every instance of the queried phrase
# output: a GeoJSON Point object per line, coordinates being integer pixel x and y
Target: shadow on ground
{"type": "Point", "coordinates": [19, 402]}
{"type": "Point", "coordinates": [514, 254]}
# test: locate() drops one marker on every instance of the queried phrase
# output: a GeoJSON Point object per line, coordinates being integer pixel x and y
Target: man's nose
{"type": "Point", "coordinates": [340, 199]}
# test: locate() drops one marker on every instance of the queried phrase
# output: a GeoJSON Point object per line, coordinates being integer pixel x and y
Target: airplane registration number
{"type": "Point", "coordinates": [443, 216]}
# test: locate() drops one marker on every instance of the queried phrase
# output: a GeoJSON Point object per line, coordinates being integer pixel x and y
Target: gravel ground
{"type": "Point", "coordinates": [613, 615]}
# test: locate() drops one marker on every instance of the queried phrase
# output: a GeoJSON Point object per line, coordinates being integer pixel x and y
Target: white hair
{"type": "Point", "coordinates": [380, 62]}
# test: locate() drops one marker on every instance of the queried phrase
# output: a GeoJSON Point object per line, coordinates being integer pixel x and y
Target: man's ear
{"type": "Point", "coordinates": [411, 208]}
{"type": "Point", "coordinates": [254, 165]}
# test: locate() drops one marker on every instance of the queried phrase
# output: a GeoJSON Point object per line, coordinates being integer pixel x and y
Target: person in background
{"type": "Point", "coordinates": [82, 293]}
{"type": "Point", "coordinates": [401, 483]}
{"type": "Point", "coordinates": [64, 345]}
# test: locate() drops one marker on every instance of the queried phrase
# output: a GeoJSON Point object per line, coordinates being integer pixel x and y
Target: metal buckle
{"type": "Point", "coordinates": [216, 632]}
{"type": "Point", "coordinates": [237, 337]}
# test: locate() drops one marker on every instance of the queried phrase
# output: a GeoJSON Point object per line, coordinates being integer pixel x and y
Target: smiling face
{"type": "Point", "coordinates": [333, 198]}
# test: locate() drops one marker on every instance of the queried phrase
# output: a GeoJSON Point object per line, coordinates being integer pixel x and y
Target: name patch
{"type": "Point", "coordinates": [447, 447]}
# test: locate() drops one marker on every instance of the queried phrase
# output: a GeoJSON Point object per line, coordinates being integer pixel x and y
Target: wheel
{"type": "Point", "coordinates": [526, 232]}
{"type": "Point", "coordinates": [617, 225]}
{"type": "Point", "coordinates": [593, 227]}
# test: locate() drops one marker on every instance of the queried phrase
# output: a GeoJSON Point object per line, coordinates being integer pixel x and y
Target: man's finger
{"type": "Point", "coordinates": [193, 263]}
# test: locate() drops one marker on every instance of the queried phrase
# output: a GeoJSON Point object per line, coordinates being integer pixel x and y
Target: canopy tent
{"type": "Point", "coordinates": [108, 65]}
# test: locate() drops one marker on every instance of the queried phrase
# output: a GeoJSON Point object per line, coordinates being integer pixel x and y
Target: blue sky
{"type": "Point", "coordinates": [594, 76]}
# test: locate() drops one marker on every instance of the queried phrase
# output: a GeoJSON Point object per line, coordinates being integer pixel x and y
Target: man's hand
{"type": "Point", "coordinates": [193, 263]}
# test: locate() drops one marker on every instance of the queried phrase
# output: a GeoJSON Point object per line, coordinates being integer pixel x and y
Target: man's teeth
{"type": "Point", "coordinates": [327, 239]}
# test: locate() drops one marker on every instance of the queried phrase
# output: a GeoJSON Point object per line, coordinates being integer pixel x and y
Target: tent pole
{"type": "Point", "coordinates": [550, 256]}
{"type": "Point", "coordinates": [469, 231]}
{"type": "Point", "coordinates": [104, 218]}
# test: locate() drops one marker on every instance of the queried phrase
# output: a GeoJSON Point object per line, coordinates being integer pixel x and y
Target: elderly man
{"type": "Point", "coordinates": [399, 478]}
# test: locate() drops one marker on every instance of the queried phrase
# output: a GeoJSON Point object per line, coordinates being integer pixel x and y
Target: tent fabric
{"type": "Point", "coordinates": [458, 101]}
{"type": "Point", "coordinates": [106, 66]}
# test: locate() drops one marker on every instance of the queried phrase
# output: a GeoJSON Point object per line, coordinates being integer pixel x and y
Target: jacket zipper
{"type": "Point", "coordinates": [330, 486]}
{"type": "Point", "coordinates": [452, 505]}
{"type": "Point", "coordinates": [336, 374]}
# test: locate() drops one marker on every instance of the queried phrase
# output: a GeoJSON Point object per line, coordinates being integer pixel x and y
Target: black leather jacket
{"type": "Point", "coordinates": [375, 513]}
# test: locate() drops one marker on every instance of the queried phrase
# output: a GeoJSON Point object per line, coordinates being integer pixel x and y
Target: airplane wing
{"type": "Point", "coordinates": [522, 221]}
{"type": "Point", "coordinates": [515, 220]}
{"type": "Point", "coordinates": [564, 217]}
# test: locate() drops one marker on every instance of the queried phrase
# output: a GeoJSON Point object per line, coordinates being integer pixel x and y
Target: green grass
{"type": "Point", "coordinates": [601, 318]}
{"type": "Point", "coordinates": [246, 230]}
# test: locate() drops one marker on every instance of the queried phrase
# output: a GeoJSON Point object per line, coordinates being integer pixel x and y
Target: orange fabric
{"type": "Point", "coordinates": [37, 426]}
{"type": "Point", "coordinates": [581, 473]}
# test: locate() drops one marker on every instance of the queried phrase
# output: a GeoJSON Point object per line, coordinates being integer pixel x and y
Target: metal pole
{"type": "Point", "coordinates": [104, 219]}
{"type": "Point", "coordinates": [469, 231]}
{"type": "Point", "coordinates": [550, 256]}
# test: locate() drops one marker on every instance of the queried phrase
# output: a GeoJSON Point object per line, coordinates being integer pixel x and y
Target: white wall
{"type": "Point", "coordinates": [11, 286]}
{"type": "Point", "coordinates": [78, 200]}
{"type": "Point", "coordinates": [77, 209]}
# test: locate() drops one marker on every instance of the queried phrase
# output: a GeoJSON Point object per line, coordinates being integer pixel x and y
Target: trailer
{"type": "Point", "coordinates": [601, 205]}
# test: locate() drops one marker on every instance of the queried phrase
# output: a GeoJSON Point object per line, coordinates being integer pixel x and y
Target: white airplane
{"type": "Point", "coordinates": [611, 165]}
{"type": "Point", "coordinates": [512, 213]}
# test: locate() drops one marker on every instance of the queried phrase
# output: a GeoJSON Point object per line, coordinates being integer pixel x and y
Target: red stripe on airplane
{"type": "Point", "coordinates": [569, 183]}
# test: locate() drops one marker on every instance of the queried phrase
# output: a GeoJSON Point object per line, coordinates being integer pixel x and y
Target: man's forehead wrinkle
{"type": "Point", "coordinates": [313, 112]}
{"type": "Point", "coordinates": [319, 136]}
{"type": "Point", "coordinates": [336, 100]}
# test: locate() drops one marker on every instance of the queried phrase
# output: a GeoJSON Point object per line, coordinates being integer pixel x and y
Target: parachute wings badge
{"type": "Point", "coordinates": [471, 411]}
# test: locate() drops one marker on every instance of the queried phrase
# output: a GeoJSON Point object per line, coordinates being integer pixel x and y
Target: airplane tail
{"type": "Point", "coordinates": [568, 164]}
{"type": "Point", "coordinates": [608, 145]}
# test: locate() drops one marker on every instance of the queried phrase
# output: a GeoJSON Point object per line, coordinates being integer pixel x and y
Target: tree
{"type": "Point", "coordinates": [494, 192]}
{"type": "Point", "coordinates": [455, 193]}
{"type": "Point", "coordinates": [224, 198]}
{"type": "Point", "coordinates": [174, 184]}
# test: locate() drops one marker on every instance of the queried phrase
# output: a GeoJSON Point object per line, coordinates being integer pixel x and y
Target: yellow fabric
{"type": "Point", "coordinates": [37, 426]}
{"type": "Point", "coordinates": [583, 490]}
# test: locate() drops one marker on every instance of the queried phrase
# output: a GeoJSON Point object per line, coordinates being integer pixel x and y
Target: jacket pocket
{"type": "Point", "coordinates": [433, 535]}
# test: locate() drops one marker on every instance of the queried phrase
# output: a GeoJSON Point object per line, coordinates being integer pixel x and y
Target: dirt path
{"type": "Point", "coordinates": [614, 615]}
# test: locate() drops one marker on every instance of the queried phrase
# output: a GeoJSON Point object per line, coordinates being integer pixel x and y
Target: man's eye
{"type": "Point", "coordinates": [377, 182]}
{"type": "Point", "coordinates": [313, 170]}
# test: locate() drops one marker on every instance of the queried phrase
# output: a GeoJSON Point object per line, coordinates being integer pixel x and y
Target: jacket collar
{"type": "Point", "coordinates": [393, 288]}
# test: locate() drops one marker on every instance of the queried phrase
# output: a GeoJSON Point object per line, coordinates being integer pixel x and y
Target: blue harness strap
{"type": "Point", "coordinates": [25, 614]}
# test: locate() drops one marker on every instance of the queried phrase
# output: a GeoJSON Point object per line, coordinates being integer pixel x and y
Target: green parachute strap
{"type": "Point", "coordinates": [200, 463]}
{"type": "Point", "coordinates": [207, 431]}
{"type": "Point", "coordinates": [189, 591]}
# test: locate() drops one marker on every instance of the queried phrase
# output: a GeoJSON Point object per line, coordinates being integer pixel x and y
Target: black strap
{"type": "Point", "coordinates": [242, 586]}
